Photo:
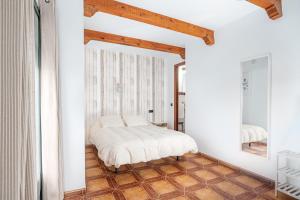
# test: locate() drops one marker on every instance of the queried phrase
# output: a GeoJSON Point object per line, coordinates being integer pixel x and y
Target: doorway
{"type": "Point", "coordinates": [179, 96]}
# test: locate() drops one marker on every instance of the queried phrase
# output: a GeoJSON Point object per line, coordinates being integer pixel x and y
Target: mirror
{"type": "Point", "coordinates": [255, 92]}
{"type": "Point", "coordinates": [181, 98]}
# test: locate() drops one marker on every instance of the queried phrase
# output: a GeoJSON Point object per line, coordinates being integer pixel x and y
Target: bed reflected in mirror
{"type": "Point", "coordinates": [255, 88]}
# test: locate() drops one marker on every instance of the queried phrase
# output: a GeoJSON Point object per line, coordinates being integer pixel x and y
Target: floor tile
{"type": "Point", "coordinates": [148, 173]}
{"type": "Point", "coordinates": [91, 163]}
{"type": "Point", "coordinates": [139, 165]}
{"type": "Point", "coordinates": [203, 161]}
{"type": "Point", "coordinates": [194, 176]}
{"type": "Point", "coordinates": [109, 196]}
{"type": "Point", "coordinates": [89, 150]}
{"type": "Point", "coordinates": [169, 169]}
{"type": "Point", "coordinates": [187, 164]}
{"type": "Point", "coordinates": [97, 185]}
{"type": "Point", "coordinates": [95, 171]}
{"type": "Point", "coordinates": [162, 187]}
{"type": "Point", "coordinates": [126, 178]}
{"type": "Point", "coordinates": [248, 181]}
{"type": "Point", "coordinates": [230, 188]}
{"type": "Point", "coordinates": [222, 169]}
{"type": "Point", "coordinates": [270, 194]}
{"type": "Point", "coordinates": [208, 194]}
{"type": "Point", "coordinates": [181, 198]}
{"type": "Point", "coordinates": [156, 162]}
{"type": "Point", "coordinates": [185, 180]}
{"type": "Point", "coordinates": [259, 198]}
{"type": "Point", "coordinates": [90, 156]}
{"type": "Point", "coordinates": [136, 193]}
{"type": "Point", "coordinates": [205, 175]}
{"type": "Point", "coordinates": [190, 155]}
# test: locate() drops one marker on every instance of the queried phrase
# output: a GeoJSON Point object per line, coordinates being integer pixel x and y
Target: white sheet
{"type": "Point", "coordinates": [127, 145]}
{"type": "Point", "coordinates": [251, 133]}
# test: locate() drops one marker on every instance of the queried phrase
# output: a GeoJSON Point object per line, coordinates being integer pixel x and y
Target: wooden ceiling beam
{"type": "Point", "coordinates": [134, 13]}
{"type": "Point", "coordinates": [272, 7]}
{"type": "Point", "coordinates": [129, 41]}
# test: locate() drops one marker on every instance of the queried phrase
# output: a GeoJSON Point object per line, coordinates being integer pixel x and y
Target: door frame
{"type": "Point", "coordinates": [176, 92]}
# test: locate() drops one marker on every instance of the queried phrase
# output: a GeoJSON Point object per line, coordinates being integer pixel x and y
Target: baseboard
{"type": "Point", "coordinates": [74, 193]}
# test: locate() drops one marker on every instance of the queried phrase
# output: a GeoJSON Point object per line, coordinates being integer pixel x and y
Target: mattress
{"type": "Point", "coordinates": [128, 145]}
{"type": "Point", "coordinates": [251, 133]}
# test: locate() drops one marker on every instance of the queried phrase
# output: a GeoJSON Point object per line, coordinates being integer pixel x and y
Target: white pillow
{"type": "Point", "coordinates": [135, 120]}
{"type": "Point", "coordinates": [111, 121]}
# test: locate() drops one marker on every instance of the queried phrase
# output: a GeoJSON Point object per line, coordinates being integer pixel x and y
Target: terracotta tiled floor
{"type": "Point", "coordinates": [192, 177]}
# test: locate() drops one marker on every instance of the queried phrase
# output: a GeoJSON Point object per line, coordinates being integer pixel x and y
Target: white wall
{"type": "Point", "coordinates": [170, 61]}
{"type": "Point", "coordinates": [213, 86]}
{"type": "Point", "coordinates": [71, 68]}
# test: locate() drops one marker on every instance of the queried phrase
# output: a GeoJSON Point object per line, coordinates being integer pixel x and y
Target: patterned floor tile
{"type": "Point", "coordinates": [89, 150]}
{"type": "Point", "coordinates": [98, 185]}
{"type": "Point", "coordinates": [181, 198]}
{"type": "Point", "coordinates": [269, 195]}
{"type": "Point", "coordinates": [185, 180]}
{"type": "Point", "coordinates": [230, 188]}
{"type": "Point", "coordinates": [162, 187]}
{"type": "Point", "coordinates": [192, 177]}
{"type": "Point", "coordinates": [208, 194]}
{"type": "Point", "coordinates": [203, 161]}
{"type": "Point", "coordinates": [136, 193]}
{"type": "Point", "coordinates": [169, 169]}
{"type": "Point", "coordinates": [157, 162]}
{"type": "Point", "coordinates": [248, 181]}
{"type": "Point", "coordinates": [187, 165]}
{"type": "Point", "coordinates": [91, 163]}
{"type": "Point", "coordinates": [124, 179]}
{"type": "Point", "coordinates": [139, 165]}
{"type": "Point", "coordinates": [190, 155]}
{"type": "Point", "coordinates": [95, 171]}
{"type": "Point", "coordinates": [222, 170]}
{"type": "Point", "coordinates": [109, 196]}
{"type": "Point", "coordinates": [148, 173]}
{"type": "Point", "coordinates": [259, 198]}
{"type": "Point", "coordinates": [75, 198]}
{"type": "Point", "coordinates": [89, 156]}
{"type": "Point", "coordinates": [206, 175]}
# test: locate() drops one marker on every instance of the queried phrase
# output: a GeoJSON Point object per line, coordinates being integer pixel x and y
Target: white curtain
{"type": "Point", "coordinates": [52, 178]}
{"type": "Point", "coordinates": [121, 83]}
{"type": "Point", "coordinates": [17, 108]}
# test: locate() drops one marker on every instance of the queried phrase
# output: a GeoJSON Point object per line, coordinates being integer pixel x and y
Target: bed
{"type": "Point", "coordinates": [119, 145]}
{"type": "Point", "coordinates": [252, 133]}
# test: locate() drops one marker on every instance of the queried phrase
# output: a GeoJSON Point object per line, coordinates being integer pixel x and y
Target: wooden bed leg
{"type": "Point", "coordinates": [116, 170]}
{"type": "Point", "coordinates": [177, 158]}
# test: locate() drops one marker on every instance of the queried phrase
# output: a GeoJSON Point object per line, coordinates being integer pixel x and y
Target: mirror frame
{"type": "Point", "coordinates": [269, 81]}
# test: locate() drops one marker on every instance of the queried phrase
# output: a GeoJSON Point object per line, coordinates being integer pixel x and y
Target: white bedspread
{"type": "Point", "coordinates": [251, 133]}
{"type": "Point", "coordinates": [127, 145]}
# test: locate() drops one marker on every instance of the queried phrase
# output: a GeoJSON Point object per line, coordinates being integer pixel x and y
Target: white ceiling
{"type": "Point", "coordinates": [211, 14]}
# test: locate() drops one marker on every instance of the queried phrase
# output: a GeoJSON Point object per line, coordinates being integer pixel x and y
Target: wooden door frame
{"type": "Point", "coordinates": [176, 92]}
